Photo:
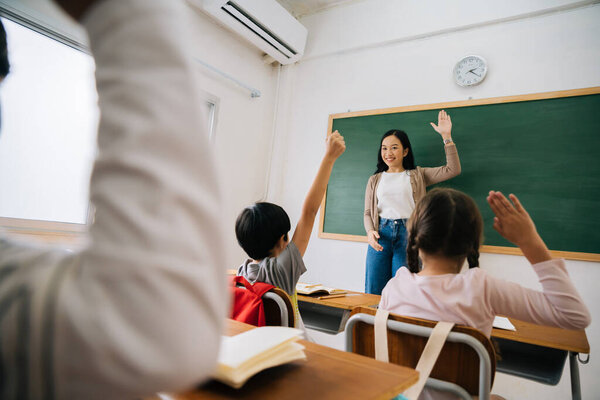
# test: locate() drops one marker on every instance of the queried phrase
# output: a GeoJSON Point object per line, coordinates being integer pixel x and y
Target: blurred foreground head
{"type": "Point", "coordinates": [4, 64]}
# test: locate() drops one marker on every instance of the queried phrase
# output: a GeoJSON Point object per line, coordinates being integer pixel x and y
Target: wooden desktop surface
{"type": "Point", "coordinates": [347, 302]}
{"type": "Point", "coordinates": [326, 374]}
{"type": "Point", "coordinates": [557, 338]}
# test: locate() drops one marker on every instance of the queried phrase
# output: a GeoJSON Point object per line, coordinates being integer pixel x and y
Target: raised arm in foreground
{"type": "Point", "coordinates": [140, 309]}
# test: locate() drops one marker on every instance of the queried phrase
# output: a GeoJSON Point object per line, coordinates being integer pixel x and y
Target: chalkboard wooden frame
{"type": "Point", "coordinates": [595, 257]}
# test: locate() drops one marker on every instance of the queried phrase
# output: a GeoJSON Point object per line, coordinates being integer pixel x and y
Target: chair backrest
{"type": "Point", "coordinates": [458, 362]}
{"type": "Point", "coordinates": [278, 308]}
{"type": "Point", "coordinates": [248, 304]}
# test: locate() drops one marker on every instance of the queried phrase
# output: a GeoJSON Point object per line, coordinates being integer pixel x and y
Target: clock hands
{"type": "Point", "coordinates": [471, 71]}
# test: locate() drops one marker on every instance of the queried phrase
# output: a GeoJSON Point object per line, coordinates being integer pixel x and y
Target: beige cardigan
{"type": "Point", "coordinates": [420, 178]}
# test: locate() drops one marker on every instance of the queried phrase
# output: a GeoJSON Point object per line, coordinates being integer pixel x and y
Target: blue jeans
{"type": "Point", "coordinates": [382, 265]}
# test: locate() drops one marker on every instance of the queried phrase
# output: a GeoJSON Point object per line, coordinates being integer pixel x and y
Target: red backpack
{"type": "Point", "coordinates": [247, 301]}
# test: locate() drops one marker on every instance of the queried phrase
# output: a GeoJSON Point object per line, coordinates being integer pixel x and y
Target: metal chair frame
{"type": "Point", "coordinates": [485, 365]}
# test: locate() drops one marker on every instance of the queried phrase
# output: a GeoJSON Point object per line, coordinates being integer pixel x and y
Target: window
{"type": "Point", "coordinates": [48, 133]}
{"type": "Point", "coordinates": [49, 126]}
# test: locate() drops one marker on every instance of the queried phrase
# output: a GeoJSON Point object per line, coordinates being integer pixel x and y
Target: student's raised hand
{"type": "Point", "coordinates": [513, 222]}
{"type": "Point", "coordinates": [335, 145]}
{"type": "Point", "coordinates": [372, 237]}
{"type": "Point", "coordinates": [444, 126]}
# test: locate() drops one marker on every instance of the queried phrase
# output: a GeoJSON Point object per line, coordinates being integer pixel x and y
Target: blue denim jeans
{"type": "Point", "coordinates": [382, 265]}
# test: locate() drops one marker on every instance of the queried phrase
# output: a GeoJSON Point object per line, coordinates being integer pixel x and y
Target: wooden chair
{"type": "Point", "coordinates": [278, 308]}
{"type": "Point", "coordinates": [466, 365]}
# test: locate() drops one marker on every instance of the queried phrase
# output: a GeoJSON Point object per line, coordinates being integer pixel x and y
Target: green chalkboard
{"type": "Point", "coordinates": [544, 148]}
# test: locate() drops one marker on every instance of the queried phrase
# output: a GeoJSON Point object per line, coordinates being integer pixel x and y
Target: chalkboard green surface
{"type": "Point", "coordinates": [545, 148]}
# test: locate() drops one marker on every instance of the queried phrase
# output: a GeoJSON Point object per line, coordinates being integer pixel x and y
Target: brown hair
{"type": "Point", "coordinates": [445, 222]}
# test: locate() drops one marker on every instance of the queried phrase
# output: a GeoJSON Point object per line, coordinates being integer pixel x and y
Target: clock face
{"type": "Point", "coordinates": [470, 70]}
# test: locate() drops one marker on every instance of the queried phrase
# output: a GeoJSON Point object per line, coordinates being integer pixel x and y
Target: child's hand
{"type": "Point", "coordinates": [444, 126]}
{"type": "Point", "coordinates": [511, 221]}
{"type": "Point", "coordinates": [372, 237]}
{"type": "Point", "coordinates": [335, 145]}
{"type": "Point", "coordinates": [514, 224]}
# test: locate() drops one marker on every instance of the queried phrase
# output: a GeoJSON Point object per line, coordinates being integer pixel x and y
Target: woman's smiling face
{"type": "Point", "coordinates": [393, 153]}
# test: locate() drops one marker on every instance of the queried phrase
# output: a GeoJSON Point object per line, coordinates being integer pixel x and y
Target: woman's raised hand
{"type": "Point", "coordinates": [444, 126]}
{"type": "Point", "coordinates": [372, 237]}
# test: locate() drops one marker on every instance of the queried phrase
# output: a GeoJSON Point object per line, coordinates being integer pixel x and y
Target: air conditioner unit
{"type": "Point", "coordinates": [264, 23]}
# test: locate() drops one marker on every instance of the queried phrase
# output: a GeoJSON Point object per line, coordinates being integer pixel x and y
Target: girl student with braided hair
{"type": "Point", "coordinates": [444, 231]}
{"type": "Point", "coordinates": [391, 194]}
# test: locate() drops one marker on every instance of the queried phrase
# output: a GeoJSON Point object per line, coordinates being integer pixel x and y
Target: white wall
{"type": "Point", "coordinates": [376, 54]}
{"type": "Point", "coordinates": [244, 130]}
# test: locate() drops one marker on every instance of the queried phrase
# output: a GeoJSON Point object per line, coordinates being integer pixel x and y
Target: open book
{"type": "Point", "coordinates": [243, 355]}
{"type": "Point", "coordinates": [317, 289]}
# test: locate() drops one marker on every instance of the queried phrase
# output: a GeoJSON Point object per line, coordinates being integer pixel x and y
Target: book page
{"type": "Point", "coordinates": [503, 323]}
{"type": "Point", "coordinates": [307, 288]}
{"type": "Point", "coordinates": [238, 349]}
{"type": "Point", "coordinates": [244, 355]}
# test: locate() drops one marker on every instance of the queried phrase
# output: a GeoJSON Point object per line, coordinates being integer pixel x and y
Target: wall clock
{"type": "Point", "coordinates": [470, 70]}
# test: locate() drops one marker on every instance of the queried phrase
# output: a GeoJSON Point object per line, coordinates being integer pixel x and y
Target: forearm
{"type": "Point", "coordinates": [153, 269]}
{"type": "Point", "coordinates": [452, 160]}
{"type": "Point", "coordinates": [558, 304]}
{"type": "Point", "coordinates": [317, 190]}
{"type": "Point", "coordinates": [311, 205]}
{"type": "Point", "coordinates": [368, 223]}
{"type": "Point", "coordinates": [445, 172]}
{"type": "Point", "coordinates": [367, 218]}
{"type": "Point", "coordinates": [535, 250]}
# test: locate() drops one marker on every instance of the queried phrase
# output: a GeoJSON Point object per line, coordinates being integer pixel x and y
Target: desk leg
{"type": "Point", "coordinates": [574, 367]}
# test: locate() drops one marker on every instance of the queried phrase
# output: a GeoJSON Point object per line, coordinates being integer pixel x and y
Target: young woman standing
{"type": "Point", "coordinates": [391, 195]}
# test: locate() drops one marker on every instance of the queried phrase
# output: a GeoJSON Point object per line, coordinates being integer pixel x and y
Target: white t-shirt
{"type": "Point", "coordinates": [394, 195]}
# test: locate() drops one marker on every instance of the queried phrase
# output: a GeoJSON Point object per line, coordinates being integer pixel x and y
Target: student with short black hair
{"type": "Point", "coordinates": [4, 64]}
{"type": "Point", "coordinates": [262, 231]}
{"type": "Point", "coordinates": [259, 226]}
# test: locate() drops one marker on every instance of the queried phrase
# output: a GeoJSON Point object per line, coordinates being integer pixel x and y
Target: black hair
{"type": "Point", "coordinates": [4, 64]}
{"type": "Point", "coordinates": [259, 227]}
{"type": "Point", "coordinates": [408, 162]}
{"type": "Point", "coordinates": [445, 222]}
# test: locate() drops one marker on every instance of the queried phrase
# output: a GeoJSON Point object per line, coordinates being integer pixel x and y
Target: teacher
{"type": "Point", "coordinates": [390, 198]}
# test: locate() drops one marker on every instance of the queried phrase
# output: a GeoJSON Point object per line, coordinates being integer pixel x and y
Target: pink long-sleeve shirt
{"type": "Point", "coordinates": [473, 298]}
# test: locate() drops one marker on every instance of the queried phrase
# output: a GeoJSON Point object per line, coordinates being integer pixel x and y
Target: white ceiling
{"type": "Point", "coordinates": [300, 8]}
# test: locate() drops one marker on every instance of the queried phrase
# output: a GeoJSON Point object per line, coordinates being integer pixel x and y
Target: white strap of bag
{"type": "Point", "coordinates": [381, 343]}
{"type": "Point", "coordinates": [428, 357]}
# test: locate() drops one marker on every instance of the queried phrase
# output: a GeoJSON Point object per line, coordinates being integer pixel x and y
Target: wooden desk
{"type": "Point", "coordinates": [556, 338]}
{"type": "Point", "coordinates": [326, 374]}
{"type": "Point", "coordinates": [539, 353]}
{"type": "Point", "coordinates": [532, 352]}
{"type": "Point", "coordinates": [331, 315]}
